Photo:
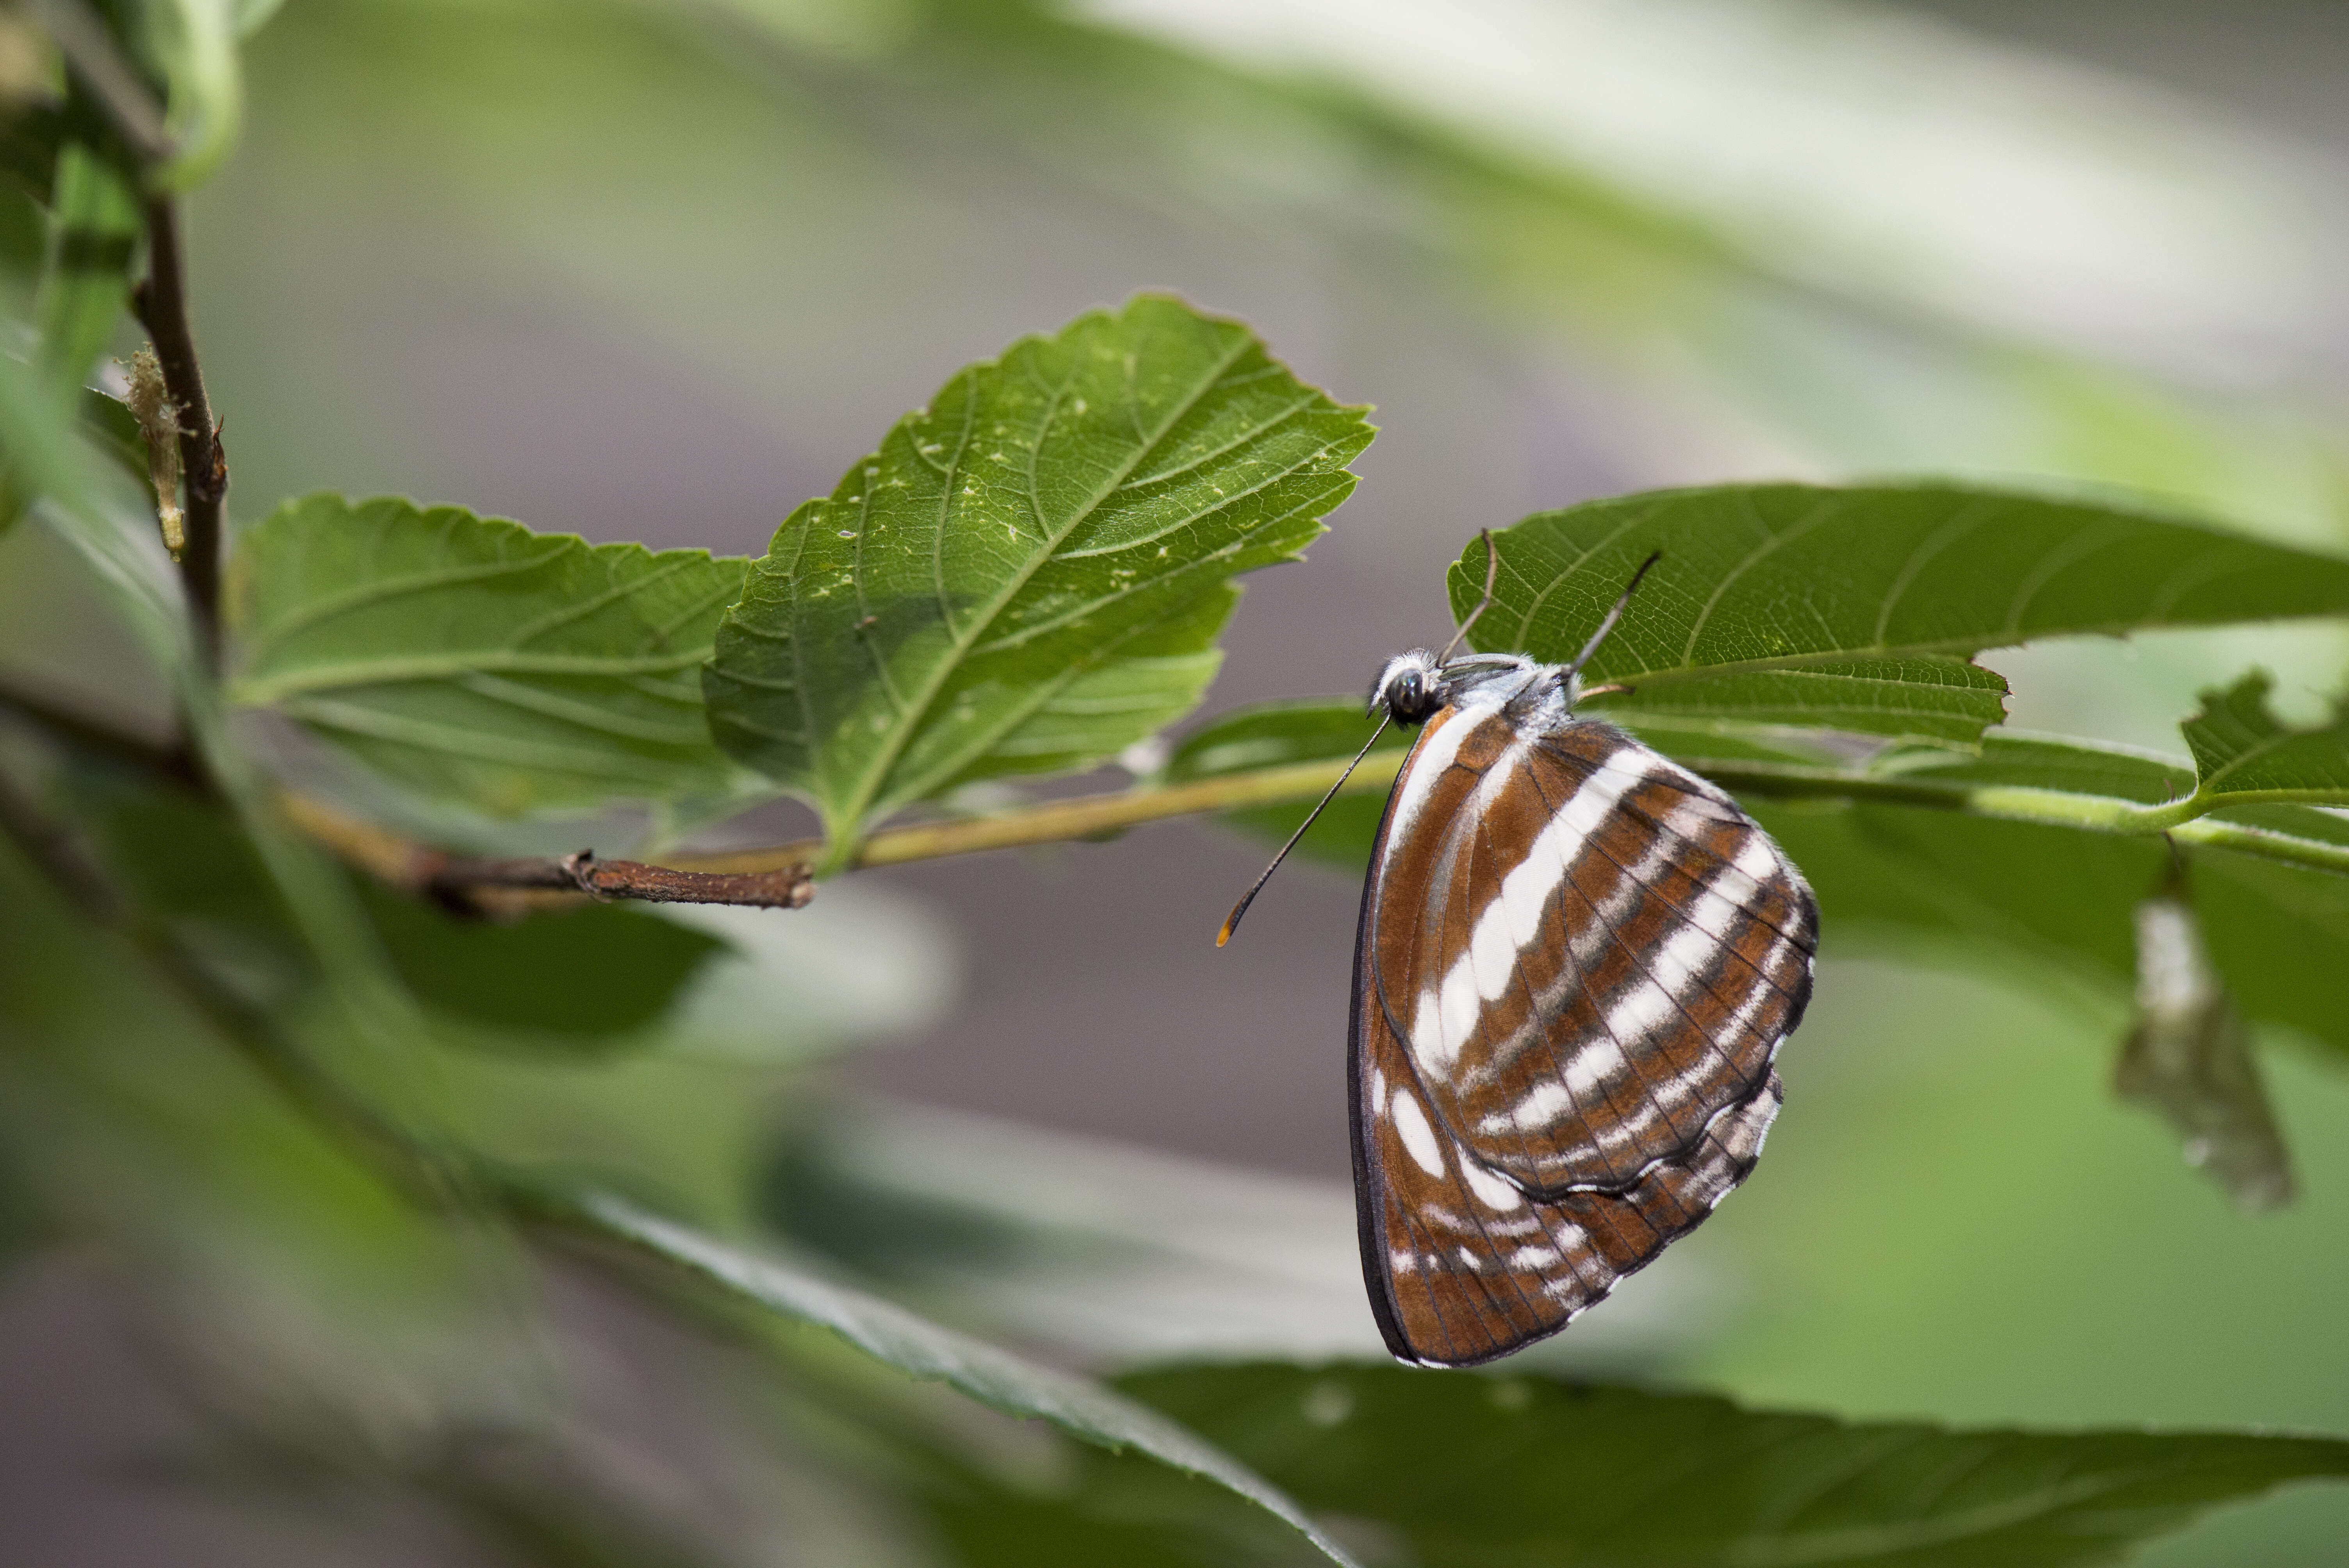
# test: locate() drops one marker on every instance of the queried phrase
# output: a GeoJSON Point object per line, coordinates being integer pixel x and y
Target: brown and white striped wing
{"type": "Point", "coordinates": [1518, 1153]}
{"type": "Point", "coordinates": [1463, 1267]}
{"type": "Point", "coordinates": [1588, 954]}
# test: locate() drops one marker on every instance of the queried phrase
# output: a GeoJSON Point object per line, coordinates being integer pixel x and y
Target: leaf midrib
{"type": "Point", "coordinates": [267, 690]}
{"type": "Point", "coordinates": [851, 815]}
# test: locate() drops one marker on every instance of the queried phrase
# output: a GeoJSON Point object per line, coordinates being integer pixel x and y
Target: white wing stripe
{"type": "Point", "coordinates": [1434, 758]}
{"type": "Point", "coordinates": [1512, 920]}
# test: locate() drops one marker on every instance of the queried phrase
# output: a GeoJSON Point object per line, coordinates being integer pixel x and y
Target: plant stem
{"type": "Point", "coordinates": [1085, 817]}
{"type": "Point", "coordinates": [174, 762]}
{"type": "Point", "coordinates": [1091, 816]}
{"type": "Point", "coordinates": [162, 301]}
{"type": "Point", "coordinates": [785, 887]}
{"type": "Point", "coordinates": [513, 885]}
{"type": "Point", "coordinates": [162, 306]}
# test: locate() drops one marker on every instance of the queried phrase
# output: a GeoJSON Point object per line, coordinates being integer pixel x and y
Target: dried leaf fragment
{"type": "Point", "coordinates": [2190, 1059]}
{"type": "Point", "coordinates": [159, 424]}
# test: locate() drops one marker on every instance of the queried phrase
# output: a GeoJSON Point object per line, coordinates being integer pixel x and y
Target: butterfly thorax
{"type": "Point", "coordinates": [1415, 686]}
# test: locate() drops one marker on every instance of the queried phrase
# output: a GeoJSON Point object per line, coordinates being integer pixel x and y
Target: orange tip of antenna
{"type": "Point", "coordinates": [1225, 935]}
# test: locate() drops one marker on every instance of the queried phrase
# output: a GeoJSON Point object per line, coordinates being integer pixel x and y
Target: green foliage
{"type": "Point", "coordinates": [923, 1350]}
{"type": "Point", "coordinates": [1029, 573]}
{"type": "Point", "coordinates": [480, 663]}
{"type": "Point", "coordinates": [2244, 750]}
{"type": "Point", "coordinates": [86, 283]}
{"type": "Point", "coordinates": [596, 973]}
{"type": "Point", "coordinates": [1497, 1471]}
{"type": "Point", "coordinates": [194, 41]}
{"type": "Point", "coordinates": [1854, 609]}
{"type": "Point", "coordinates": [221, 1053]}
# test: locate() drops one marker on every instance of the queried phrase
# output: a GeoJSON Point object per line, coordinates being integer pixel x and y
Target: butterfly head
{"type": "Point", "coordinates": [1417, 685]}
{"type": "Point", "coordinates": [1411, 688]}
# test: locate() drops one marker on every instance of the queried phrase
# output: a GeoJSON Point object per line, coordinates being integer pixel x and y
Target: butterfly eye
{"type": "Point", "coordinates": [1407, 698]}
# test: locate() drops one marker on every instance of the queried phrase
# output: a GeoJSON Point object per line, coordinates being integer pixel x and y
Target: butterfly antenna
{"type": "Point", "coordinates": [1232, 921]}
{"type": "Point", "coordinates": [1613, 615]}
{"type": "Point", "coordinates": [1491, 575]}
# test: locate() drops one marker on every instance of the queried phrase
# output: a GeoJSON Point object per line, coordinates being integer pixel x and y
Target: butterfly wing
{"type": "Point", "coordinates": [1481, 1234]}
{"type": "Point", "coordinates": [1588, 954]}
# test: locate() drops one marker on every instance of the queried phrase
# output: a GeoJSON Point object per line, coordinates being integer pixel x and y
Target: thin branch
{"type": "Point", "coordinates": [1085, 817]}
{"type": "Point", "coordinates": [785, 887]}
{"type": "Point", "coordinates": [407, 864]}
{"type": "Point", "coordinates": [162, 306]}
{"type": "Point", "coordinates": [173, 761]}
{"type": "Point", "coordinates": [1091, 816]}
{"type": "Point", "coordinates": [511, 886]}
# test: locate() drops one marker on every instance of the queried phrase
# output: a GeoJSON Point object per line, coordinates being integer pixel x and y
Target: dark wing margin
{"type": "Point", "coordinates": [1462, 1265]}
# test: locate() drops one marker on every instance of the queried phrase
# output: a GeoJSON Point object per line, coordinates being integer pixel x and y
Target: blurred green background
{"type": "Point", "coordinates": [660, 271]}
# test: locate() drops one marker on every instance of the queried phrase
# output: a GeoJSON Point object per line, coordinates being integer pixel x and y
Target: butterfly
{"type": "Point", "coordinates": [1576, 965]}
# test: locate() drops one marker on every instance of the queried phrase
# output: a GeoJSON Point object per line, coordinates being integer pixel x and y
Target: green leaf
{"type": "Point", "coordinates": [2280, 937]}
{"type": "Point", "coordinates": [47, 455]}
{"type": "Point", "coordinates": [1473, 1470]}
{"type": "Point", "coordinates": [30, 135]}
{"type": "Point", "coordinates": [927, 1351]}
{"type": "Point", "coordinates": [86, 284]}
{"type": "Point", "coordinates": [1760, 581]}
{"type": "Point", "coordinates": [2021, 895]}
{"type": "Point", "coordinates": [480, 663]}
{"type": "Point", "coordinates": [1030, 572]}
{"type": "Point", "coordinates": [2023, 899]}
{"type": "Point", "coordinates": [196, 40]}
{"type": "Point", "coordinates": [2243, 749]}
{"type": "Point", "coordinates": [2018, 759]}
{"type": "Point", "coordinates": [596, 973]}
{"type": "Point", "coordinates": [1926, 699]}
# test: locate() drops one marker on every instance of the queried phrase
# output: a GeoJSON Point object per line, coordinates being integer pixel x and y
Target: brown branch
{"type": "Point", "coordinates": [787, 887]}
{"type": "Point", "coordinates": [161, 303]}
{"type": "Point", "coordinates": [473, 886]}
{"type": "Point", "coordinates": [1081, 817]}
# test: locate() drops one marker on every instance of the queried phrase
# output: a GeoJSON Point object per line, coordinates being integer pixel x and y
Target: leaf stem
{"type": "Point", "coordinates": [1085, 817]}
{"type": "Point", "coordinates": [1094, 816]}
{"type": "Point", "coordinates": [460, 882]}
{"type": "Point", "coordinates": [785, 887]}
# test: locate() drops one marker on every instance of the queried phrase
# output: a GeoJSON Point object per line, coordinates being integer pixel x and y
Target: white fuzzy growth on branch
{"type": "Point", "coordinates": [159, 424]}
